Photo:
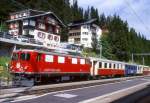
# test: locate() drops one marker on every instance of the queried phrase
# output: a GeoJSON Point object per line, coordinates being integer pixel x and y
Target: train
{"type": "Point", "coordinates": [43, 67]}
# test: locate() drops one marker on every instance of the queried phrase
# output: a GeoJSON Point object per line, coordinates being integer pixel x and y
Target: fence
{"type": "Point", "coordinates": [20, 38]}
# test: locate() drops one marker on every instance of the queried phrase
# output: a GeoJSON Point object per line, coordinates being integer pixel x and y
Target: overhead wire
{"type": "Point", "coordinates": [138, 17]}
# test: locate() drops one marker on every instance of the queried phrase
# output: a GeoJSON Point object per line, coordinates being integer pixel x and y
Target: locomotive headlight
{"type": "Point", "coordinates": [11, 67]}
{"type": "Point", "coordinates": [26, 67]}
{"type": "Point", "coordinates": [18, 65]}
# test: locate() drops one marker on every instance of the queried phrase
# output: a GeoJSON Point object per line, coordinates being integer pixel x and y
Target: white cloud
{"type": "Point", "coordinates": [126, 9]}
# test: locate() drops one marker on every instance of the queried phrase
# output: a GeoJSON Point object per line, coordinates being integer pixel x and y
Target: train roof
{"type": "Point", "coordinates": [112, 61]}
{"type": "Point", "coordinates": [49, 52]}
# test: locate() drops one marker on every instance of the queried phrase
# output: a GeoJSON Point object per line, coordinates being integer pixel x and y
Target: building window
{"type": "Point", "coordinates": [25, 32]}
{"type": "Point", "coordinates": [16, 16]}
{"type": "Point", "coordinates": [49, 58]}
{"type": "Point", "coordinates": [16, 25]}
{"type": "Point", "coordinates": [57, 30]}
{"type": "Point", "coordinates": [61, 59]}
{"type": "Point", "coordinates": [12, 17]}
{"type": "Point", "coordinates": [32, 23]}
{"type": "Point", "coordinates": [85, 39]}
{"type": "Point", "coordinates": [24, 14]}
{"type": "Point", "coordinates": [31, 32]}
{"type": "Point", "coordinates": [25, 22]}
{"type": "Point", "coordinates": [85, 33]}
{"type": "Point", "coordinates": [20, 15]}
{"type": "Point", "coordinates": [41, 26]}
{"type": "Point", "coordinates": [77, 39]}
{"type": "Point", "coordinates": [84, 26]}
{"type": "Point", "coordinates": [74, 60]}
{"type": "Point", "coordinates": [82, 61]}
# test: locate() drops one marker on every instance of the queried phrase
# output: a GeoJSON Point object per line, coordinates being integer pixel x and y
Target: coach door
{"type": "Point", "coordinates": [94, 68]}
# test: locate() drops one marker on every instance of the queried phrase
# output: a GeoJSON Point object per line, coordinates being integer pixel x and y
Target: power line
{"type": "Point", "coordinates": [138, 17]}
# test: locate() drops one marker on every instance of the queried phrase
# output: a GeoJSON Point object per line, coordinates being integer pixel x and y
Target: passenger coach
{"type": "Point", "coordinates": [109, 68]}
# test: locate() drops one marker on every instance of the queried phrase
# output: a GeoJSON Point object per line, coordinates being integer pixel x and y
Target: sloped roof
{"type": "Point", "coordinates": [42, 13]}
{"type": "Point", "coordinates": [82, 22]}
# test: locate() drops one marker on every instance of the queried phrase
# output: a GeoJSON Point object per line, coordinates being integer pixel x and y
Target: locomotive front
{"type": "Point", "coordinates": [21, 63]}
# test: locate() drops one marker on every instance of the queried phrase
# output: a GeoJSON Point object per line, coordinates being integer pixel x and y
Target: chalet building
{"type": "Point", "coordinates": [39, 25]}
{"type": "Point", "coordinates": [82, 32]}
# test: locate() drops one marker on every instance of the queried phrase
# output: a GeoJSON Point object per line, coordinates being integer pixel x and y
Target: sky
{"type": "Point", "coordinates": [136, 12]}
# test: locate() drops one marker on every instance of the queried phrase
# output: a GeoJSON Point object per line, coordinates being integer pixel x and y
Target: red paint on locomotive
{"type": "Point", "coordinates": [34, 62]}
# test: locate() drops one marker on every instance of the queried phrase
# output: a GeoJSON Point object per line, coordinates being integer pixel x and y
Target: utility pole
{"type": "Point", "coordinates": [132, 58]}
{"type": "Point", "coordinates": [140, 54]}
{"type": "Point", "coordinates": [143, 60]}
{"type": "Point", "coordinates": [100, 50]}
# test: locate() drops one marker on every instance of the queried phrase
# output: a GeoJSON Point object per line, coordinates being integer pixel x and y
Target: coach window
{"type": "Point", "coordinates": [49, 58]}
{"type": "Point", "coordinates": [15, 56]}
{"type": "Point", "coordinates": [74, 60]}
{"type": "Point", "coordinates": [82, 61]}
{"type": "Point", "coordinates": [61, 59]}
{"type": "Point", "coordinates": [109, 65]}
{"type": "Point", "coordinates": [105, 65]}
{"type": "Point", "coordinates": [25, 56]}
{"type": "Point", "coordinates": [117, 66]}
{"type": "Point", "coordinates": [100, 64]}
{"type": "Point", "coordinates": [114, 66]}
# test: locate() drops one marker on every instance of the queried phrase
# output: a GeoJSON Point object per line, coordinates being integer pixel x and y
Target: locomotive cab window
{"type": "Point", "coordinates": [15, 56]}
{"type": "Point", "coordinates": [25, 56]}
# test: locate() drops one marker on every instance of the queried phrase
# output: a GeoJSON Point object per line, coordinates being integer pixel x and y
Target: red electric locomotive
{"type": "Point", "coordinates": [48, 66]}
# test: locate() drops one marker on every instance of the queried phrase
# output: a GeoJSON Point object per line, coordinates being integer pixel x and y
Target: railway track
{"type": "Point", "coordinates": [39, 90]}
